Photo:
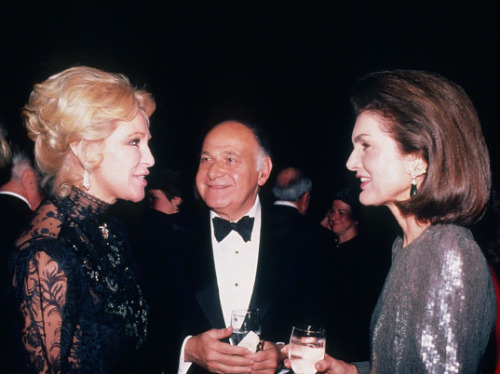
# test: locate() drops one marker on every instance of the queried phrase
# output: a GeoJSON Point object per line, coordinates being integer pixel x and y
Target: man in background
{"type": "Point", "coordinates": [20, 195]}
{"type": "Point", "coordinates": [292, 188]}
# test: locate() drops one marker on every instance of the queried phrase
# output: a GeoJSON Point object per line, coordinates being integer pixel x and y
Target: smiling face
{"type": "Point", "coordinates": [378, 162]}
{"type": "Point", "coordinates": [227, 178]}
{"type": "Point", "coordinates": [340, 219]}
{"type": "Point", "coordinates": [126, 158]}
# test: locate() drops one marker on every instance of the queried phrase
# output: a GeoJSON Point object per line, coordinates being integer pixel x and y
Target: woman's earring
{"type": "Point", "coordinates": [86, 179]}
{"type": "Point", "coordinates": [415, 169]}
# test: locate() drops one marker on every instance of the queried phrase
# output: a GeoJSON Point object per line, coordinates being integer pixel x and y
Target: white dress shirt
{"type": "Point", "coordinates": [236, 265]}
{"type": "Point", "coordinates": [236, 268]}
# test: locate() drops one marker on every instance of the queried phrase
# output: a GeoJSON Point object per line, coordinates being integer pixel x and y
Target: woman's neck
{"type": "Point", "coordinates": [347, 235]}
{"type": "Point", "coordinates": [411, 227]}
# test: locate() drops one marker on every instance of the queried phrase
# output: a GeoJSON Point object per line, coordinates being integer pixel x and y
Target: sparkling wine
{"type": "Point", "coordinates": [304, 353]}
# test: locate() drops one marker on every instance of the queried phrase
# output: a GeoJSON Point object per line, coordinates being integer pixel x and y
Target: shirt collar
{"type": "Point", "coordinates": [251, 213]}
{"type": "Point", "coordinates": [286, 203]}
{"type": "Point", "coordinates": [16, 195]}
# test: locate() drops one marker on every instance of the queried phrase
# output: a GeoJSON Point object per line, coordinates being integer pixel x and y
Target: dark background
{"type": "Point", "coordinates": [287, 65]}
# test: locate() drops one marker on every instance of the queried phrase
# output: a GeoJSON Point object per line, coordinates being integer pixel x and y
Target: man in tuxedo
{"type": "Point", "coordinates": [241, 258]}
{"type": "Point", "coordinates": [292, 188]}
{"type": "Point", "coordinates": [19, 196]}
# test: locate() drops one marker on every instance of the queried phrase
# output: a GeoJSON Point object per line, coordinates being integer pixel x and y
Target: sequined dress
{"type": "Point", "coordinates": [79, 307]}
{"type": "Point", "coordinates": [437, 308]}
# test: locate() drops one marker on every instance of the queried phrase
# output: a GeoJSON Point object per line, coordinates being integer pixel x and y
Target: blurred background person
{"type": "Point", "coordinates": [420, 151]}
{"type": "Point", "coordinates": [5, 152]}
{"type": "Point", "coordinates": [19, 195]}
{"type": "Point", "coordinates": [20, 192]}
{"type": "Point", "coordinates": [157, 242]}
{"type": "Point", "coordinates": [79, 307]}
{"type": "Point", "coordinates": [292, 188]}
{"type": "Point", "coordinates": [5, 171]}
{"type": "Point", "coordinates": [343, 217]}
{"type": "Point", "coordinates": [354, 271]}
{"type": "Point", "coordinates": [164, 192]}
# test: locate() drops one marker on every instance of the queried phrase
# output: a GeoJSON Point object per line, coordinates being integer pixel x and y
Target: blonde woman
{"type": "Point", "coordinates": [80, 308]}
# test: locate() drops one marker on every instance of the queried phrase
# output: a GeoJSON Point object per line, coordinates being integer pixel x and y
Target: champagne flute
{"type": "Point", "coordinates": [243, 322]}
{"type": "Point", "coordinates": [307, 346]}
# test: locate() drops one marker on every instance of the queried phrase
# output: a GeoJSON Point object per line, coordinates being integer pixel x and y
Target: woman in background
{"type": "Point", "coordinates": [80, 308]}
{"type": "Point", "coordinates": [355, 267]}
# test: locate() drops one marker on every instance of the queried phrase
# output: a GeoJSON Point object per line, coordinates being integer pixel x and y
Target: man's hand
{"type": "Point", "coordinates": [207, 351]}
{"type": "Point", "coordinates": [268, 360]}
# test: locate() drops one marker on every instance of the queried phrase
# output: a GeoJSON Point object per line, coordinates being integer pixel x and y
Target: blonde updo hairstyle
{"type": "Point", "coordinates": [78, 105]}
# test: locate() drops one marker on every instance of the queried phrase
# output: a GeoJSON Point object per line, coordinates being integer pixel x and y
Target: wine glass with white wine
{"type": "Point", "coordinates": [307, 346]}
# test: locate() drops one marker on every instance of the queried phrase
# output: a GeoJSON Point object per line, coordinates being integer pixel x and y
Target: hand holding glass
{"type": "Point", "coordinates": [307, 346]}
{"type": "Point", "coordinates": [243, 321]}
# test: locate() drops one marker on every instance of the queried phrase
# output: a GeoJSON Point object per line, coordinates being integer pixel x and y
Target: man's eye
{"type": "Point", "coordinates": [134, 142]}
{"type": "Point", "coordinates": [204, 159]}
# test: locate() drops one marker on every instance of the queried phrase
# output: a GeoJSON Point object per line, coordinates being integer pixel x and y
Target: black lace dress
{"type": "Point", "coordinates": [79, 308]}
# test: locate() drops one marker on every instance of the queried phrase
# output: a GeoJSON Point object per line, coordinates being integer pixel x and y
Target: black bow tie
{"type": "Point", "coordinates": [223, 227]}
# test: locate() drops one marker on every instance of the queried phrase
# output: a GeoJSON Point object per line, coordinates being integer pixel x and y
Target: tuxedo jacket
{"type": "Point", "coordinates": [284, 284]}
{"type": "Point", "coordinates": [15, 214]}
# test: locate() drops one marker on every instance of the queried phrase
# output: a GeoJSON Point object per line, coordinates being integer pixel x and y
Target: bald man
{"type": "Point", "coordinates": [263, 267]}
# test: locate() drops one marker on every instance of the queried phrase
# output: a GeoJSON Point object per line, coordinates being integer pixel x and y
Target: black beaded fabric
{"type": "Point", "coordinates": [79, 306]}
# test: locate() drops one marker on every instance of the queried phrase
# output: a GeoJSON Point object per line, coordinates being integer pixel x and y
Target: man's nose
{"type": "Point", "coordinates": [215, 170]}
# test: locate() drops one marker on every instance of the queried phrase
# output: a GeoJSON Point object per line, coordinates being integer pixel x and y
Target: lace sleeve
{"type": "Point", "coordinates": [45, 286]}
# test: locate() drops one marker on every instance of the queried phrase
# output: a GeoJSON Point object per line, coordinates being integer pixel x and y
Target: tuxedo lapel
{"type": "Point", "coordinates": [268, 269]}
{"type": "Point", "coordinates": [204, 276]}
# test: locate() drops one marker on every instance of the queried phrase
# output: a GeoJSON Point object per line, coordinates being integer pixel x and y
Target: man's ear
{"type": "Point", "coordinates": [29, 180]}
{"type": "Point", "coordinates": [265, 171]}
{"type": "Point", "coordinates": [176, 200]}
{"type": "Point", "coordinates": [304, 202]}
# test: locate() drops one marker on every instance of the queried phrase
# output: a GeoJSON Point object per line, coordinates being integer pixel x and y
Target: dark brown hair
{"type": "Point", "coordinates": [432, 117]}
